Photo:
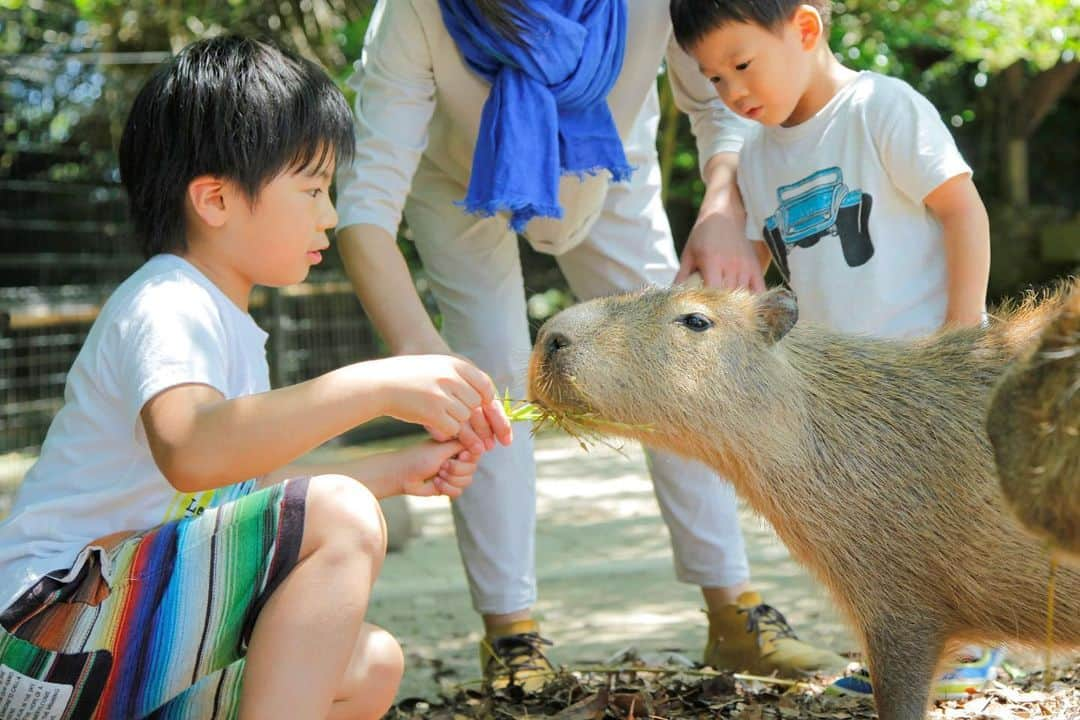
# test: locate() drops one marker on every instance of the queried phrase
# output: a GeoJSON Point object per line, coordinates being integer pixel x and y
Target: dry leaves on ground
{"type": "Point", "coordinates": [632, 692]}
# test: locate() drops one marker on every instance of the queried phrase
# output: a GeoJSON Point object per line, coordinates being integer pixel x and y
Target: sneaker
{"type": "Point", "coordinates": [750, 636]}
{"type": "Point", "coordinates": [970, 675]}
{"type": "Point", "coordinates": [512, 654]}
{"type": "Point", "coordinates": [960, 681]}
{"type": "Point", "coordinates": [854, 683]}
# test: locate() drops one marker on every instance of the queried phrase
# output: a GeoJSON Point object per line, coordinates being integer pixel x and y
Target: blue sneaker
{"type": "Point", "coordinates": [960, 681]}
{"type": "Point", "coordinates": [856, 683]}
{"type": "Point", "coordinates": [971, 676]}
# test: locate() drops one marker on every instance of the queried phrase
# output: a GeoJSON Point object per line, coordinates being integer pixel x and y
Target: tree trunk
{"type": "Point", "coordinates": [1026, 103]}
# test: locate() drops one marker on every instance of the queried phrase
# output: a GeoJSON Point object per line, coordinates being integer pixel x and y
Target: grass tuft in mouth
{"type": "Point", "coordinates": [583, 427]}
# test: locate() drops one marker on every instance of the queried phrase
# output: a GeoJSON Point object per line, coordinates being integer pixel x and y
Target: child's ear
{"type": "Point", "coordinates": [809, 25]}
{"type": "Point", "coordinates": [207, 195]}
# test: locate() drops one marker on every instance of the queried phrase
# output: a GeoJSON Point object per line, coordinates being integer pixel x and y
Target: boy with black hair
{"type": "Point", "coordinates": [852, 185]}
{"type": "Point", "coordinates": [151, 565]}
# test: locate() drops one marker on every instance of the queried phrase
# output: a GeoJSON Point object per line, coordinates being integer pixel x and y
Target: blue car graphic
{"type": "Point", "coordinates": [818, 206]}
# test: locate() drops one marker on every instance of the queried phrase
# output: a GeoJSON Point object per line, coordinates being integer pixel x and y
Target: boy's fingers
{"type": "Point", "coordinates": [466, 395]}
{"type": "Point", "coordinates": [448, 450]}
{"type": "Point", "coordinates": [478, 380]}
{"type": "Point", "coordinates": [450, 425]}
{"type": "Point", "coordinates": [436, 434]}
{"type": "Point", "coordinates": [480, 426]}
{"type": "Point", "coordinates": [743, 279]}
{"type": "Point", "coordinates": [686, 268]}
{"type": "Point", "coordinates": [499, 423]}
{"type": "Point", "coordinates": [712, 275]}
{"type": "Point", "coordinates": [457, 469]}
{"type": "Point", "coordinates": [446, 486]}
{"type": "Point", "coordinates": [469, 439]}
{"type": "Point", "coordinates": [757, 282]}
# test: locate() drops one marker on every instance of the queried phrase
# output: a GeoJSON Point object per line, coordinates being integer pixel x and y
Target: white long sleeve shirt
{"type": "Point", "coordinates": [416, 97]}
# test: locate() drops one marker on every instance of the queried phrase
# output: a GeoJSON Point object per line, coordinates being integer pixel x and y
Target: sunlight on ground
{"type": "Point", "coordinates": [606, 579]}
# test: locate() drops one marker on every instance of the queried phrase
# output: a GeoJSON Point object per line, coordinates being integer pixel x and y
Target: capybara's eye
{"type": "Point", "coordinates": [696, 322]}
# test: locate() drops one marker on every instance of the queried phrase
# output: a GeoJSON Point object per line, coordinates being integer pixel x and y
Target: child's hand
{"type": "Point", "coordinates": [722, 261]}
{"type": "Point", "coordinates": [449, 396]}
{"type": "Point", "coordinates": [437, 468]}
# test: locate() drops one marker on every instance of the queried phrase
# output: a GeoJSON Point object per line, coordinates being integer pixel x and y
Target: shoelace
{"type": "Point", "coordinates": [765, 617]}
{"type": "Point", "coordinates": [519, 652]}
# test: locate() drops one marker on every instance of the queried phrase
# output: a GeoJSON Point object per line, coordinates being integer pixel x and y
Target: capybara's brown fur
{"type": "Point", "coordinates": [1034, 426]}
{"type": "Point", "coordinates": [869, 457]}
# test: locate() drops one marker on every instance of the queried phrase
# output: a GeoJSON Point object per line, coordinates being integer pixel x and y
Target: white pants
{"type": "Point", "coordinates": [474, 269]}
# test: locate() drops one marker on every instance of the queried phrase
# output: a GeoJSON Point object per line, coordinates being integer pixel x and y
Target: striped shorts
{"type": "Point", "coordinates": [167, 636]}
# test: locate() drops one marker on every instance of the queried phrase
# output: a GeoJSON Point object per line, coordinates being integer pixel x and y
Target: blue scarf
{"type": "Point", "coordinates": [547, 112]}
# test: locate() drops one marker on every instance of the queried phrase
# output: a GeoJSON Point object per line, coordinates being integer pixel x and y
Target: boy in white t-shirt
{"type": "Point", "coordinates": [150, 562]}
{"type": "Point", "coordinates": [853, 186]}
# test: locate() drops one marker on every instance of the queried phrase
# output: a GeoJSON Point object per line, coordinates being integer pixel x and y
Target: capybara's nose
{"type": "Point", "coordinates": [553, 342]}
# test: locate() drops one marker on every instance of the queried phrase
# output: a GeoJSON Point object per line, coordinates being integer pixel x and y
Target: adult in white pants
{"type": "Point", "coordinates": [418, 109]}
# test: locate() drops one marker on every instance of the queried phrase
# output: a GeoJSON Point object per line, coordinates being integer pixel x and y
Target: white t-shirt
{"type": "Point", "coordinates": [843, 194]}
{"type": "Point", "coordinates": [417, 99]}
{"type": "Point", "coordinates": [165, 325]}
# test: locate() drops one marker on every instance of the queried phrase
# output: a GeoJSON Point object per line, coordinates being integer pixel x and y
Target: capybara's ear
{"type": "Point", "coordinates": [777, 311]}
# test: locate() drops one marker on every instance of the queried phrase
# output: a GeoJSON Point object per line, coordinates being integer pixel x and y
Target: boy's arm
{"type": "Point", "coordinates": [423, 469]}
{"type": "Point", "coordinates": [922, 160]}
{"type": "Point", "coordinates": [201, 441]}
{"type": "Point", "coordinates": [966, 230]}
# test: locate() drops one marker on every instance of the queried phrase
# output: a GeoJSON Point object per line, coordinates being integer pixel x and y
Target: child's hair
{"type": "Point", "coordinates": [232, 107]}
{"type": "Point", "coordinates": [692, 20]}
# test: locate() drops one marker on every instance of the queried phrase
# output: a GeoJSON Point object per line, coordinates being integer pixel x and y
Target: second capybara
{"type": "Point", "coordinates": [869, 457]}
{"type": "Point", "coordinates": [1034, 427]}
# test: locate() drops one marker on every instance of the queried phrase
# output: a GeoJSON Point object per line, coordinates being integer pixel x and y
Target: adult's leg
{"type": "Point", "coordinates": [629, 247]}
{"type": "Point", "coordinates": [474, 270]}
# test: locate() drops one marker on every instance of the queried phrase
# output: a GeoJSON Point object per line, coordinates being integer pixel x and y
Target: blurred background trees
{"type": "Point", "coordinates": [1002, 74]}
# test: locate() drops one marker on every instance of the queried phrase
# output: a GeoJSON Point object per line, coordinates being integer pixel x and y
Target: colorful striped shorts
{"type": "Point", "coordinates": [167, 638]}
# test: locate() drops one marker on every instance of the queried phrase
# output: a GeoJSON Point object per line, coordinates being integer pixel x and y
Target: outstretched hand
{"type": "Point", "coordinates": [449, 396]}
{"type": "Point", "coordinates": [436, 468]}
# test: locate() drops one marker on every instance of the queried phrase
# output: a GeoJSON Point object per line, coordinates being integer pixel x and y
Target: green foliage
{"type": "Point", "coordinates": [998, 33]}
{"type": "Point", "coordinates": [319, 29]}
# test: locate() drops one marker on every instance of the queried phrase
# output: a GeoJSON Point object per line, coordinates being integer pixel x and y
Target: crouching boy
{"type": "Point", "coordinates": [150, 567]}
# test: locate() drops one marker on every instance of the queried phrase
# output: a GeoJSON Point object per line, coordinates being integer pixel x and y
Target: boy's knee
{"type": "Point", "coordinates": [387, 658]}
{"type": "Point", "coordinates": [342, 511]}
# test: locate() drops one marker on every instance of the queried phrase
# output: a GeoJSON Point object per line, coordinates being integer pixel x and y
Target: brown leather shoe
{"type": "Point", "coordinates": [750, 636]}
{"type": "Point", "coordinates": [512, 654]}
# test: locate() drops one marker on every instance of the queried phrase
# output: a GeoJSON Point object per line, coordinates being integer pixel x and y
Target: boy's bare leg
{"type": "Point", "coordinates": [309, 630]}
{"type": "Point", "coordinates": [372, 677]}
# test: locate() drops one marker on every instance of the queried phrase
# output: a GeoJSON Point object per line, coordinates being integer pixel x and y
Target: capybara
{"type": "Point", "coordinates": [869, 457]}
{"type": "Point", "coordinates": [1034, 426]}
